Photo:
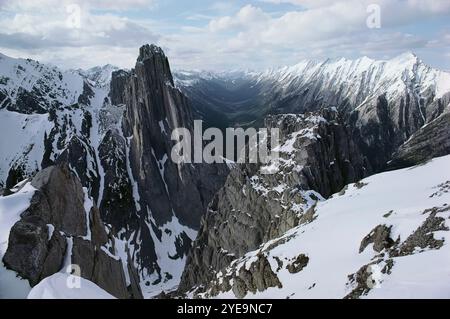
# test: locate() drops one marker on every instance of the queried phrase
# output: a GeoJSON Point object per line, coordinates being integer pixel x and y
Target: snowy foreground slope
{"type": "Point", "coordinates": [56, 287]}
{"type": "Point", "coordinates": [333, 256]}
{"type": "Point", "coordinates": [60, 285]}
{"type": "Point", "coordinates": [385, 237]}
{"type": "Point", "coordinates": [10, 209]}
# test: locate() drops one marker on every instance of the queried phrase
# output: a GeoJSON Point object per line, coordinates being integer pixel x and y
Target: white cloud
{"type": "Point", "coordinates": [303, 3]}
{"type": "Point", "coordinates": [425, 5]}
{"type": "Point", "coordinates": [254, 38]}
{"type": "Point", "coordinates": [48, 33]}
{"type": "Point", "coordinates": [247, 17]}
{"type": "Point", "coordinates": [247, 37]}
{"type": "Point", "coordinates": [45, 5]}
{"type": "Point", "coordinates": [325, 19]}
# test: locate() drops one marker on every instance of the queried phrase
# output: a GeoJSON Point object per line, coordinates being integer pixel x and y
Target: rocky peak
{"type": "Point", "coordinates": [406, 58]}
{"type": "Point", "coordinates": [156, 61]}
{"type": "Point", "coordinates": [166, 195]}
{"type": "Point", "coordinates": [147, 51]}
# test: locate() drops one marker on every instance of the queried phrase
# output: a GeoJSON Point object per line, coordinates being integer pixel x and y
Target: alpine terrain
{"type": "Point", "coordinates": [356, 206]}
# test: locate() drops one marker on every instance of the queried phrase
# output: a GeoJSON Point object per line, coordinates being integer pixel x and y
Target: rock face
{"type": "Point", "coordinates": [118, 206]}
{"type": "Point", "coordinates": [317, 156]}
{"type": "Point", "coordinates": [59, 201]}
{"type": "Point", "coordinates": [61, 213]}
{"type": "Point", "coordinates": [430, 141]}
{"type": "Point", "coordinates": [379, 237]}
{"type": "Point", "coordinates": [32, 252]}
{"type": "Point", "coordinates": [167, 191]}
{"type": "Point", "coordinates": [154, 108]}
{"type": "Point", "coordinates": [119, 80]}
{"type": "Point", "coordinates": [112, 127]}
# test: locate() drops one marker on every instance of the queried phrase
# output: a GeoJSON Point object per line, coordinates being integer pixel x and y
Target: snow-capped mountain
{"type": "Point", "coordinates": [29, 90]}
{"type": "Point", "coordinates": [357, 81]}
{"type": "Point", "coordinates": [385, 102]}
{"type": "Point", "coordinates": [99, 76]}
{"type": "Point", "coordinates": [97, 143]}
{"type": "Point", "coordinates": [57, 117]}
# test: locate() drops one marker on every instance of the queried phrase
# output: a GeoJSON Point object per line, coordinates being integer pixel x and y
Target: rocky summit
{"type": "Point", "coordinates": [357, 199]}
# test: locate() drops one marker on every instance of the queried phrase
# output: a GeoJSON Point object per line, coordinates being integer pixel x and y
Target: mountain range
{"type": "Point", "coordinates": [358, 199]}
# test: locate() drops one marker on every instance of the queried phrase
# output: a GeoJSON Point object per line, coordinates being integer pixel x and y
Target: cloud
{"type": "Point", "coordinates": [44, 31]}
{"type": "Point", "coordinates": [303, 3]}
{"type": "Point", "coordinates": [339, 19]}
{"type": "Point", "coordinates": [325, 19]}
{"type": "Point", "coordinates": [424, 5]}
{"type": "Point", "coordinates": [252, 37]}
{"type": "Point", "coordinates": [220, 35]}
{"type": "Point", "coordinates": [247, 17]}
{"type": "Point", "coordinates": [28, 5]}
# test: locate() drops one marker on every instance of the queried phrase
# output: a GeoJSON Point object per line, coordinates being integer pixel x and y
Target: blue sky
{"type": "Point", "coordinates": [222, 35]}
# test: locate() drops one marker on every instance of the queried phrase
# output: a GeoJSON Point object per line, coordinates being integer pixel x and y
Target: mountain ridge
{"type": "Point", "coordinates": [101, 142]}
{"type": "Point", "coordinates": [111, 128]}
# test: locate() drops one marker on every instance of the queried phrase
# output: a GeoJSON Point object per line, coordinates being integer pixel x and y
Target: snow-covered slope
{"type": "Point", "coordinates": [363, 78]}
{"type": "Point", "coordinates": [55, 287]}
{"type": "Point", "coordinates": [384, 237]}
{"type": "Point", "coordinates": [40, 102]}
{"type": "Point", "coordinates": [22, 141]}
{"type": "Point", "coordinates": [356, 81]}
{"type": "Point", "coordinates": [10, 209]}
{"type": "Point", "coordinates": [52, 87]}
{"type": "Point", "coordinates": [99, 76]}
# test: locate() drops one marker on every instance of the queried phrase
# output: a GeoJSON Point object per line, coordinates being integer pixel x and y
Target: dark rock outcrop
{"type": "Point", "coordinates": [154, 107]}
{"type": "Point", "coordinates": [298, 264]}
{"type": "Point", "coordinates": [59, 201]}
{"type": "Point", "coordinates": [423, 237]}
{"type": "Point", "coordinates": [245, 278]}
{"type": "Point", "coordinates": [38, 243]}
{"type": "Point", "coordinates": [119, 80]}
{"type": "Point", "coordinates": [118, 206]}
{"type": "Point", "coordinates": [85, 97]}
{"type": "Point", "coordinates": [432, 140]}
{"type": "Point", "coordinates": [27, 103]}
{"type": "Point", "coordinates": [379, 237]}
{"type": "Point", "coordinates": [258, 277]}
{"type": "Point", "coordinates": [32, 252]}
{"type": "Point", "coordinates": [99, 267]}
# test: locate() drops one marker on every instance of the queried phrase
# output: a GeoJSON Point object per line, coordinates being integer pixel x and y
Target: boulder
{"type": "Point", "coordinates": [31, 253]}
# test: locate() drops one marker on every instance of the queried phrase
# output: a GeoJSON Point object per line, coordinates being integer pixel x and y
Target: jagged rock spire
{"type": "Point", "coordinates": [155, 57]}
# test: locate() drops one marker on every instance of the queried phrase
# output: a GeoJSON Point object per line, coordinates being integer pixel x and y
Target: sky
{"type": "Point", "coordinates": [223, 35]}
